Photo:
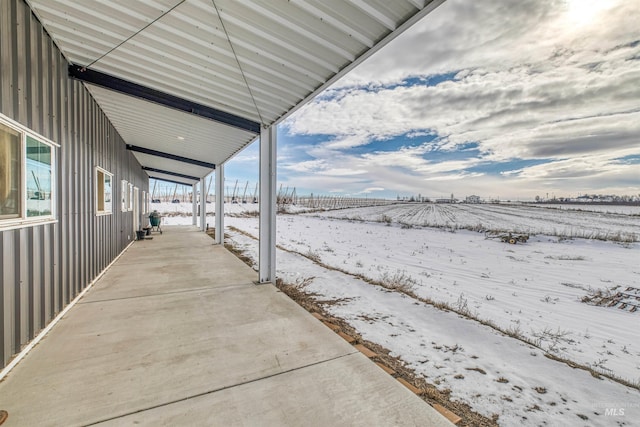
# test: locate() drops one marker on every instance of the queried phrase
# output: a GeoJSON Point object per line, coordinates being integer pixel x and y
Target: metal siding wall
{"type": "Point", "coordinates": [45, 266]}
{"type": "Point", "coordinates": [7, 319]}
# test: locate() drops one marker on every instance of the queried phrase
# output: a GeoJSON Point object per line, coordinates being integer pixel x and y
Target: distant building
{"type": "Point", "coordinates": [472, 199]}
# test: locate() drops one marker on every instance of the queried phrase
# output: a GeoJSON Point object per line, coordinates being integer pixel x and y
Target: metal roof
{"type": "Point", "coordinates": [257, 60]}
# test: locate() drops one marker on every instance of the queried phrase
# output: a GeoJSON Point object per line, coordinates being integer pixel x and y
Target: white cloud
{"type": "Point", "coordinates": [310, 166]}
{"type": "Point", "coordinates": [371, 190]}
{"type": "Point", "coordinates": [454, 177]}
{"type": "Point", "coordinates": [535, 79]}
{"type": "Point", "coordinates": [496, 35]}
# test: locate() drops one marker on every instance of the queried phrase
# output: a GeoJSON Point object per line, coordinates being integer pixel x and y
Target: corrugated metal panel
{"type": "Point", "coordinates": [171, 178]}
{"type": "Point", "coordinates": [257, 59]}
{"type": "Point", "coordinates": [7, 295]}
{"type": "Point", "coordinates": [152, 126]}
{"type": "Point", "coordinates": [45, 266]}
{"type": "Point", "coordinates": [161, 163]}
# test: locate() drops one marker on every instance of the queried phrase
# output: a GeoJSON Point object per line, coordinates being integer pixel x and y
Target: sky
{"type": "Point", "coordinates": [506, 99]}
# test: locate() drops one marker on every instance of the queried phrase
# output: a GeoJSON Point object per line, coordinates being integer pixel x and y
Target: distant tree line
{"type": "Point", "coordinates": [607, 199]}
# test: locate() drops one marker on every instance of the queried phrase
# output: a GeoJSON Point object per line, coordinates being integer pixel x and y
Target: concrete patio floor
{"type": "Point", "coordinates": [177, 333]}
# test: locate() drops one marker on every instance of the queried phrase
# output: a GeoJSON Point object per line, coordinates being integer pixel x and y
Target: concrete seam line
{"type": "Point", "coordinates": [55, 320]}
{"type": "Point", "coordinates": [211, 288]}
{"type": "Point", "coordinates": [204, 393]}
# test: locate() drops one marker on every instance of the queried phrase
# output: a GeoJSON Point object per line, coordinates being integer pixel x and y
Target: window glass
{"type": "Point", "coordinates": [39, 178]}
{"type": "Point", "coordinates": [124, 191]}
{"type": "Point", "coordinates": [100, 190]}
{"type": "Point", "coordinates": [130, 206]}
{"type": "Point", "coordinates": [107, 193]}
{"type": "Point", "coordinates": [10, 167]}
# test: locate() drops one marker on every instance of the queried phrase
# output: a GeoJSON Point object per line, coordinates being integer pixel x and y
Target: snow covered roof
{"type": "Point", "coordinates": [197, 79]}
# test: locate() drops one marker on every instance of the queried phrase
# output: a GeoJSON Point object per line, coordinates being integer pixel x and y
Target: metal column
{"type": "Point", "coordinates": [267, 254]}
{"type": "Point", "coordinates": [220, 204]}
{"type": "Point", "coordinates": [203, 203]}
{"type": "Point", "coordinates": [194, 201]}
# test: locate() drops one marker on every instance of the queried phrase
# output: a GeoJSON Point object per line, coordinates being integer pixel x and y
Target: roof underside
{"type": "Point", "coordinates": [258, 60]}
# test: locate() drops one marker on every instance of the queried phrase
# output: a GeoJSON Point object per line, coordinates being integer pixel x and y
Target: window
{"type": "Point", "coordinates": [130, 206]}
{"type": "Point", "coordinates": [103, 192]}
{"type": "Point", "coordinates": [144, 202]}
{"type": "Point", "coordinates": [125, 195]}
{"type": "Point", "coordinates": [38, 173]}
{"type": "Point", "coordinates": [27, 175]}
{"type": "Point", "coordinates": [10, 172]}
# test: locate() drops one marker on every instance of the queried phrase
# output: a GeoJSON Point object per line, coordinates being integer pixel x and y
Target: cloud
{"type": "Point", "coordinates": [371, 190]}
{"type": "Point", "coordinates": [496, 35]}
{"type": "Point", "coordinates": [311, 166]}
{"type": "Point", "coordinates": [548, 80]}
{"type": "Point", "coordinates": [453, 177]}
{"type": "Point", "coordinates": [516, 112]}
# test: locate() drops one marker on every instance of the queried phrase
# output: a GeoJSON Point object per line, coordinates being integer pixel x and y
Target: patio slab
{"type": "Point", "coordinates": [177, 333]}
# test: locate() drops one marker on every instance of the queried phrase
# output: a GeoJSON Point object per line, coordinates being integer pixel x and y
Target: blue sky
{"type": "Point", "coordinates": [508, 99]}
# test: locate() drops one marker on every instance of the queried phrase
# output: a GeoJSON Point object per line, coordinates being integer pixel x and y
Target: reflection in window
{"type": "Point", "coordinates": [38, 175]}
{"type": "Point", "coordinates": [10, 165]}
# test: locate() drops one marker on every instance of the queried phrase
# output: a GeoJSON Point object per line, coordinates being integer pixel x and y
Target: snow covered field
{"type": "Point", "coordinates": [594, 207]}
{"type": "Point", "coordinates": [587, 223]}
{"type": "Point", "coordinates": [531, 291]}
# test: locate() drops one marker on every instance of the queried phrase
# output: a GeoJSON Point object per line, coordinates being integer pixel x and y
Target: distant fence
{"type": "Point", "coordinates": [334, 202]}
{"type": "Point", "coordinates": [309, 202]}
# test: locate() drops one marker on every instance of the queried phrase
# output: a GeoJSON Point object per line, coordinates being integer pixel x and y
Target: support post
{"type": "Point", "coordinates": [203, 204]}
{"type": "Point", "coordinates": [194, 200]}
{"type": "Point", "coordinates": [220, 204]}
{"type": "Point", "coordinates": [267, 254]}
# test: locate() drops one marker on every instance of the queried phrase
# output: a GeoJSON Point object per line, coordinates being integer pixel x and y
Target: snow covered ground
{"type": "Point", "coordinates": [531, 290]}
{"type": "Point", "coordinates": [587, 223]}
{"type": "Point", "coordinates": [595, 207]}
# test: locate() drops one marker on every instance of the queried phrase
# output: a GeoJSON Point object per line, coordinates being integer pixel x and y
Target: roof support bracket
{"type": "Point", "coordinates": [157, 153]}
{"type": "Point", "coordinates": [126, 87]}
{"type": "Point", "coordinates": [179, 175]}
{"type": "Point", "coordinates": [157, 178]}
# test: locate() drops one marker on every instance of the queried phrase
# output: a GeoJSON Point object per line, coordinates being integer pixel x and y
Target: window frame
{"type": "Point", "coordinates": [105, 173]}
{"type": "Point", "coordinates": [23, 219]}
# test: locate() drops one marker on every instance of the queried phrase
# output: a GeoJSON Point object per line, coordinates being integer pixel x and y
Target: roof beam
{"type": "Point", "coordinates": [151, 152]}
{"type": "Point", "coordinates": [170, 180]}
{"type": "Point", "coordinates": [179, 175]}
{"type": "Point", "coordinates": [126, 87]}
